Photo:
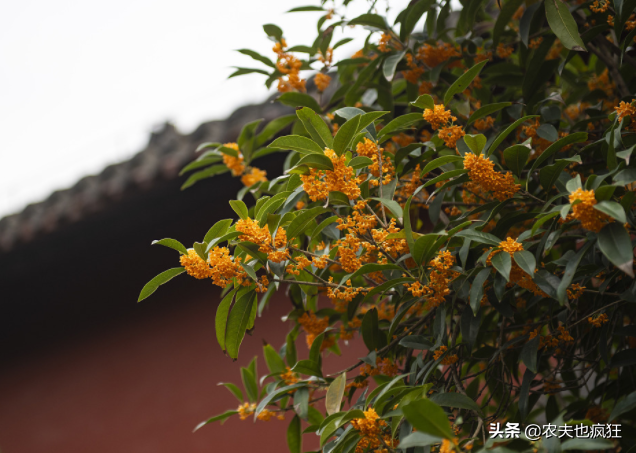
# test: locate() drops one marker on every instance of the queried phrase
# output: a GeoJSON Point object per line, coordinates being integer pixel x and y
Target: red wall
{"type": "Point", "coordinates": [141, 383]}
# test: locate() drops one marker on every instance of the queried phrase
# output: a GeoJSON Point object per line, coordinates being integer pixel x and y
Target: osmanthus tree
{"type": "Point", "coordinates": [460, 195]}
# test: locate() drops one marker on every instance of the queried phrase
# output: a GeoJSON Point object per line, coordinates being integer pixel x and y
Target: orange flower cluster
{"type": "Point", "coordinates": [301, 263]}
{"type": "Point", "coordinates": [483, 124]}
{"type": "Point", "coordinates": [584, 211]}
{"type": "Point", "coordinates": [599, 6]}
{"type": "Point", "coordinates": [341, 179]}
{"type": "Point", "coordinates": [260, 236]}
{"type": "Point", "coordinates": [504, 51]}
{"type": "Point", "coordinates": [481, 171]}
{"type": "Point", "coordinates": [384, 41]}
{"type": "Point", "coordinates": [368, 148]}
{"type": "Point", "coordinates": [535, 43]}
{"type": "Point", "coordinates": [449, 359]}
{"type": "Point", "coordinates": [195, 266]}
{"type": "Point", "coordinates": [438, 116]}
{"type": "Point", "coordinates": [439, 279]}
{"type": "Point", "coordinates": [313, 326]}
{"type": "Point", "coordinates": [450, 135]}
{"type": "Point", "coordinates": [346, 332]}
{"type": "Point", "coordinates": [384, 366]}
{"type": "Point", "coordinates": [551, 386]}
{"type": "Point", "coordinates": [624, 109]}
{"type": "Point", "coordinates": [370, 429]}
{"type": "Point", "coordinates": [245, 410]}
{"type": "Point", "coordinates": [575, 291]}
{"type": "Point", "coordinates": [255, 175]}
{"type": "Point", "coordinates": [266, 415]}
{"type": "Point", "coordinates": [414, 72]}
{"type": "Point", "coordinates": [289, 377]}
{"type": "Point", "coordinates": [290, 66]}
{"type": "Point", "coordinates": [597, 414]}
{"type": "Point", "coordinates": [599, 320]}
{"type": "Point", "coordinates": [603, 83]}
{"type": "Point", "coordinates": [235, 164]}
{"type": "Point", "coordinates": [435, 55]}
{"type": "Point", "coordinates": [237, 167]}
{"type": "Point", "coordinates": [222, 269]}
{"type": "Point", "coordinates": [322, 81]}
{"type": "Point", "coordinates": [555, 50]}
{"type": "Point", "coordinates": [340, 297]}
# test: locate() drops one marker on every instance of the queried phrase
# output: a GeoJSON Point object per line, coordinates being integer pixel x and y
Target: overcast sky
{"type": "Point", "coordinates": [83, 83]}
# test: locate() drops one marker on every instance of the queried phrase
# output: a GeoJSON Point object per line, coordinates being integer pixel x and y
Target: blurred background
{"type": "Point", "coordinates": [102, 104]}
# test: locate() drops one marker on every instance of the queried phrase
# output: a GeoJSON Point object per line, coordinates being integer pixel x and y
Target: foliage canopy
{"type": "Point", "coordinates": [459, 193]}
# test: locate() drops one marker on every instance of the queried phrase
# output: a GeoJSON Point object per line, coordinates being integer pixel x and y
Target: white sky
{"type": "Point", "coordinates": [83, 83]}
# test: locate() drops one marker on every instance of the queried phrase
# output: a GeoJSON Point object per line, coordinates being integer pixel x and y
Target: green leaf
{"type": "Point", "coordinates": [370, 20]}
{"type": "Point", "coordinates": [371, 267]}
{"type": "Point", "coordinates": [526, 261]}
{"type": "Point", "coordinates": [160, 279]}
{"type": "Point", "coordinates": [612, 209]}
{"type": "Point", "coordinates": [503, 263]}
{"type": "Point", "coordinates": [570, 270]}
{"type": "Point", "coordinates": [476, 143]}
{"type": "Point", "coordinates": [298, 143]}
{"type": "Point", "coordinates": [345, 134]}
{"type": "Point", "coordinates": [556, 146]}
{"type": "Point", "coordinates": [477, 289]}
{"type": "Point", "coordinates": [203, 174]}
{"type": "Point", "coordinates": [502, 136]}
{"type": "Point", "coordinates": [487, 110]}
{"type": "Point", "coordinates": [240, 208]}
{"type": "Point", "coordinates": [399, 123]}
{"type": "Point", "coordinates": [416, 342]}
{"type": "Point", "coordinates": [308, 367]}
{"type": "Point", "coordinates": [422, 246]}
{"type": "Point", "coordinates": [274, 31]}
{"type": "Point", "coordinates": [390, 63]}
{"type": "Point", "coordinates": [550, 174]}
{"type": "Point", "coordinates": [294, 99]}
{"type": "Point", "coordinates": [424, 102]}
{"type": "Point", "coordinates": [478, 236]}
{"type": "Point", "coordinates": [418, 439]}
{"type": "Point", "coordinates": [463, 81]}
{"type": "Point", "coordinates": [563, 24]}
{"type": "Point", "coordinates": [335, 392]}
{"type": "Point", "coordinates": [305, 8]}
{"type": "Point", "coordinates": [446, 175]}
{"type": "Point", "coordinates": [456, 400]}
{"type": "Point", "coordinates": [505, 16]}
{"type": "Point", "coordinates": [302, 221]}
{"type": "Point", "coordinates": [273, 128]}
{"type": "Point", "coordinates": [221, 417]}
{"type": "Point", "coordinates": [413, 14]}
{"type": "Point", "coordinates": [436, 163]}
{"type": "Point", "coordinates": [234, 390]}
{"type": "Point", "coordinates": [516, 158]}
{"type": "Point", "coordinates": [360, 162]}
{"type": "Point", "coordinates": [220, 321]}
{"type": "Point", "coordinates": [265, 401]}
{"type": "Point", "coordinates": [625, 405]}
{"type": "Point", "coordinates": [258, 57]}
{"type": "Point", "coordinates": [427, 417]}
{"type": "Point", "coordinates": [371, 334]}
{"type": "Point", "coordinates": [392, 206]}
{"type": "Point", "coordinates": [217, 230]}
{"type": "Point", "coordinates": [529, 353]}
{"type": "Point", "coordinates": [294, 436]}
{"type": "Point", "coordinates": [316, 127]}
{"type": "Point", "coordinates": [249, 383]}
{"type": "Point", "coordinates": [319, 161]}
{"type": "Point", "coordinates": [173, 244]}
{"type": "Point", "coordinates": [243, 71]}
{"type": "Point", "coordinates": [616, 245]}
{"type": "Point", "coordinates": [237, 323]}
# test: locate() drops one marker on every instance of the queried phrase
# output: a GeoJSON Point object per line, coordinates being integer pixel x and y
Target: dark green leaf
{"type": "Point", "coordinates": [316, 127]}
{"type": "Point", "coordinates": [516, 158]}
{"type": "Point", "coordinates": [217, 230]}
{"type": "Point", "coordinates": [462, 82]}
{"type": "Point", "coordinates": [240, 208]}
{"type": "Point", "coordinates": [456, 400]}
{"type": "Point", "coordinates": [294, 435]}
{"type": "Point", "coordinates": [345, 134]}
{"type": "Point", "coordinates": [529, 353]}
{"type": "Point", "coordinates": [563, 24]}
{"type": "Point", "coordinates": [487, 110]}
{"type": "Point", "coordinates": [237, 323]}
{"type": "Point", "coordinates": [424, 102]}
{"type": "Point", "coordinates": [505, 16]}
{"type": "Point", "coordinates": [503, 263]}
{"type": "Point", "coordinates": [160, 279]}
{"type": "Point", "coordinates": [526, 261]}
{"type": "Point", "coordinates": [173, 244]}
{"type": "Point", "coordinates": [294, 99]}
{"type": "Point", "coordinates": [616, 245]}
{"type": "Point", "coordinates": [477, 289]}
{"type": "Point", "coordinates": [427, 417]}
